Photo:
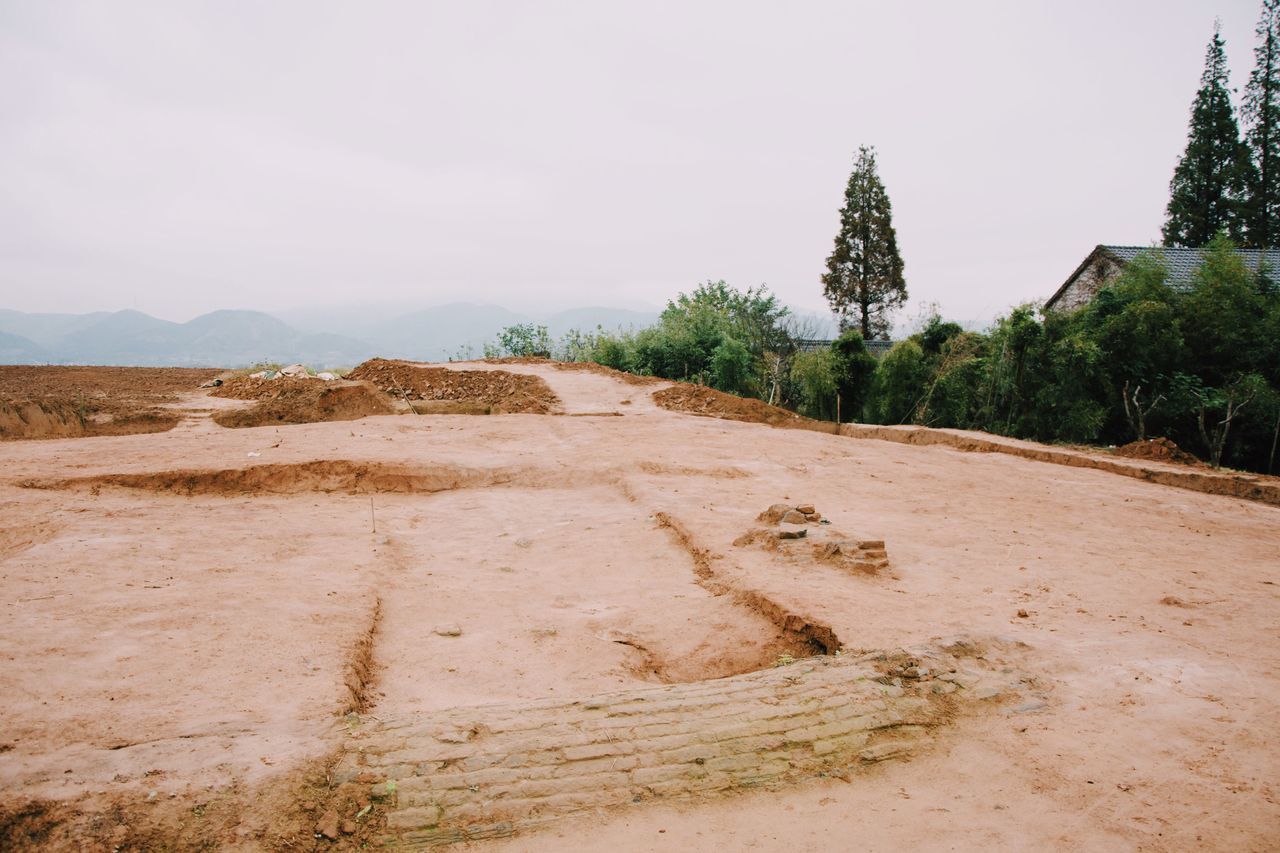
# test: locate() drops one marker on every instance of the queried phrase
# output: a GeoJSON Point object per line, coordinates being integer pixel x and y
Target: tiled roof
{"type": "Point", "coordinates": [1183, 263]}
{"type": "Point", "coordinates": [874, 346]}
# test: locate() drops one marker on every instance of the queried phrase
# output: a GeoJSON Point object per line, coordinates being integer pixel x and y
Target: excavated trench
{"type": "Point", "coordinates": [804, 634]}
{"type": "Point", "coordinates": [332, 475]}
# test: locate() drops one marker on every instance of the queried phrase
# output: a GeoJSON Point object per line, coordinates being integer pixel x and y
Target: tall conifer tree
{"type": "Point", "coordinates": [864, 281]}
{"type": "Point", "coordinates": [1261, 114]}
{"type": "Point", "coordinates": [1207, 192]}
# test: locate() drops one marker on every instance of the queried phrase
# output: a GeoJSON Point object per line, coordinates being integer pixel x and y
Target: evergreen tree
{"type": "Point", "coordinates": [1207, 192]}
{"type": "Point", "coordinates": [864, 282]}
{"type": "Point", "coordinates": [1261, 113]}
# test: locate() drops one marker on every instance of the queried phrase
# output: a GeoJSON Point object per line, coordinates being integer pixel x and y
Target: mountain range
{"type": "Point", "coordinates": [317, 337]}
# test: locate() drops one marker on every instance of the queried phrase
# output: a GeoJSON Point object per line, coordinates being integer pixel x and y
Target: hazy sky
{"type": "Point", "coordinates": [179, 157]}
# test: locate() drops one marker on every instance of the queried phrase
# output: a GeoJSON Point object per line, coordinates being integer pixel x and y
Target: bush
{"type": "Point", "coordinates": [852, 366]}
{"type": "Point", "coordinates": [730, 367]}
{"type": "Point", "coordinates": [813, 374]}
{"type": "Point", "coordinates": [900, 383]}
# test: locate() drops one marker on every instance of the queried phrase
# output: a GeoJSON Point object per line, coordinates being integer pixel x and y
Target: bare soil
{"type": "Point", "coordinates": [196, 622]}
{"type": "Point", "coordinates": [57, 402]}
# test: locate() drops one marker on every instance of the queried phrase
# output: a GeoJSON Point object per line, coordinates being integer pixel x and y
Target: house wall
{"type": "Point", "coordinates": [1086, 284]}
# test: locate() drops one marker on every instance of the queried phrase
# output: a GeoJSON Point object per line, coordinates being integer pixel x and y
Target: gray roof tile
{"type": "Point", "coordinates": [1183, 263]}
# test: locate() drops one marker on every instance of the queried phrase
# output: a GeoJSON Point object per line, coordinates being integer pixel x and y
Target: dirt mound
{"type": "Point", "coordinates": [249, 388]}
{"type": "Point", "coordinates": [328, 475]}
{"type": "Point", "coordinates": [67, 402]}
{"type": "Point", "coordinates": [621, 376]}
{"type": "Point", "coordinates": [500, 391]}
{"type": "Point", "coordinates": [700, 400]}
{"type": "Point", "coordinates": [301, 401]}
{"type": "Point", "coordinates": [518, 359]}
{"type": "Point", "coordinates": [1158, 449]}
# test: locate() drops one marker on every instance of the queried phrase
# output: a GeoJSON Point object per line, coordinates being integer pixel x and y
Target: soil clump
{"type": "Point", "coordinates": [1159, 450]}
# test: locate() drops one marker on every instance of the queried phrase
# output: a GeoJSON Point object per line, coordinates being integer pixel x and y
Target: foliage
{"type": "Point", "coordinates": [852, 368]}
{"type": "Point", "coordinates": [1208, 188]}
{"type": "Point", "coordinates": [522, 339]}
{"type": "Point", "coordinates": [1201, 367]}
{"type": "Point", "coordinates": [576, 345]}
{"type": "Point", "coordinates": [730, 368]}
{"type": "Point", "coordinates": [864, 281]}
{"type": "Point", "coordinates": [899, 383]}
{"type": "Point", "coordinates": [740, 341]}
{"type": "Point", "coordinates": [1261, 114]}
{"type": "Point", "coordinates": [813, 374]}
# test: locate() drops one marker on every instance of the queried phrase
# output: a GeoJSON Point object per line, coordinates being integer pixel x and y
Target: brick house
{"type": "Point", "coordinates": [1104, 263]}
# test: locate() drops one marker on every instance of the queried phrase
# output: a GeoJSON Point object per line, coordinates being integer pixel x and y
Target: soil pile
{"type": "Point", "coordinates": [299, 401]}
{"type": "Point", "coordinates": [621, 376]}
{"type": "Point", "coordinates": [700, 400]}
{"type": "Point", "coordinates": [261, 388]}
{"type": "Point", "coordinates": [1158, 449]}
{"type": "Point", "coordinates": [63, 402]}
{"type": "Point", "coordinates": [498, 390]}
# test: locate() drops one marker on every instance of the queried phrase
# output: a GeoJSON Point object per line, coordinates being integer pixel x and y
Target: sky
{"type": "Point", "coordinates": [180, 157]}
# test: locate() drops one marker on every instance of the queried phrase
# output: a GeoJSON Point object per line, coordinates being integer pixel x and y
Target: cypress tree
{"type": "Point", "coordinates": [864, 282]}
{"type": "Point", "coordinates": [1261, 113]}
{"type": "Point", "coordinates": [1207, 192]}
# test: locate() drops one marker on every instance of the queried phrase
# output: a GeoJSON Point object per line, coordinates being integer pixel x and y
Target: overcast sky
{"type": "Point", "coordinates": [179, 157]}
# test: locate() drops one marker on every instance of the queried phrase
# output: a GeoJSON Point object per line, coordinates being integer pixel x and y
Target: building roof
{"type": "Point", "coordinates": [874, 346]}
{"type": "Point", "coordinates": [1181, 263]}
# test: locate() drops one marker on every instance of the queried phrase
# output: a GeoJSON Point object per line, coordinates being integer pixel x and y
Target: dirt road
{"type": "Point", "coordinates": [194, 617]}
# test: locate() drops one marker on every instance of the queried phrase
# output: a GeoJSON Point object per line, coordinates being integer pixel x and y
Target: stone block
{"type": "Point", "coordinates": [421, 817]}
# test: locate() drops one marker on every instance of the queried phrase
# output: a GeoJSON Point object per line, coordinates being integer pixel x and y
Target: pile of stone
{"type": "Point", "coordinates": [860, 555]}
{"type": "Point", "coordinates": [293, 371]}
{"type": "Point", "coordinates": [791, 519]}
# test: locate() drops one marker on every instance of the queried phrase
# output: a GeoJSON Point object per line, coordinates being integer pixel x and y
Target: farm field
{"type": "Point", "coordinates": [596, 619]}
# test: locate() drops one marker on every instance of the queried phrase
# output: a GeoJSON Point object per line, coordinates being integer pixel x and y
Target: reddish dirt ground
{"type": "Point", "coordinates": [197, 624]}
{"type": "Point", "coordinates": [55, 402]}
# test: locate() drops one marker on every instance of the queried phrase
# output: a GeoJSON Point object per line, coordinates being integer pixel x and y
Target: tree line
{"type": "Point", "coordinates": [1225, 181]}
{"type": "Point", "coordinates": [1200, 366]}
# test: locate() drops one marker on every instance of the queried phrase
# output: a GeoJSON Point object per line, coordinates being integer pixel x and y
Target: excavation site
{"type": "Point", "coordinates": [538, 607]}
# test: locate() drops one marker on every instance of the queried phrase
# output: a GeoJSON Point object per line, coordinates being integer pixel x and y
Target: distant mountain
{"type": "Point", "coordinates": [609, 319]}
{"type": "Point", "coordinates": [220, 339]}
{"type": "Point", "coordinates": [125, 337]}
{"type": "Point", "coordinates": [246, 337]}
{"type": "Point", "coordinates": [334, 337]}
{"type": "Point", "coordinates": [46, 329]}
{"type": "Point", "coordinates": [15, 349]}
{"type": "Point", "coordinates": [436, 334]}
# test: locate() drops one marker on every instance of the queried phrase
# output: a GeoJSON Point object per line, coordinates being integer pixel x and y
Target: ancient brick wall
{"type": "Point", "coordinates": [488, 771]}
{"type": "Point", "coordinates": [1087, 283]}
